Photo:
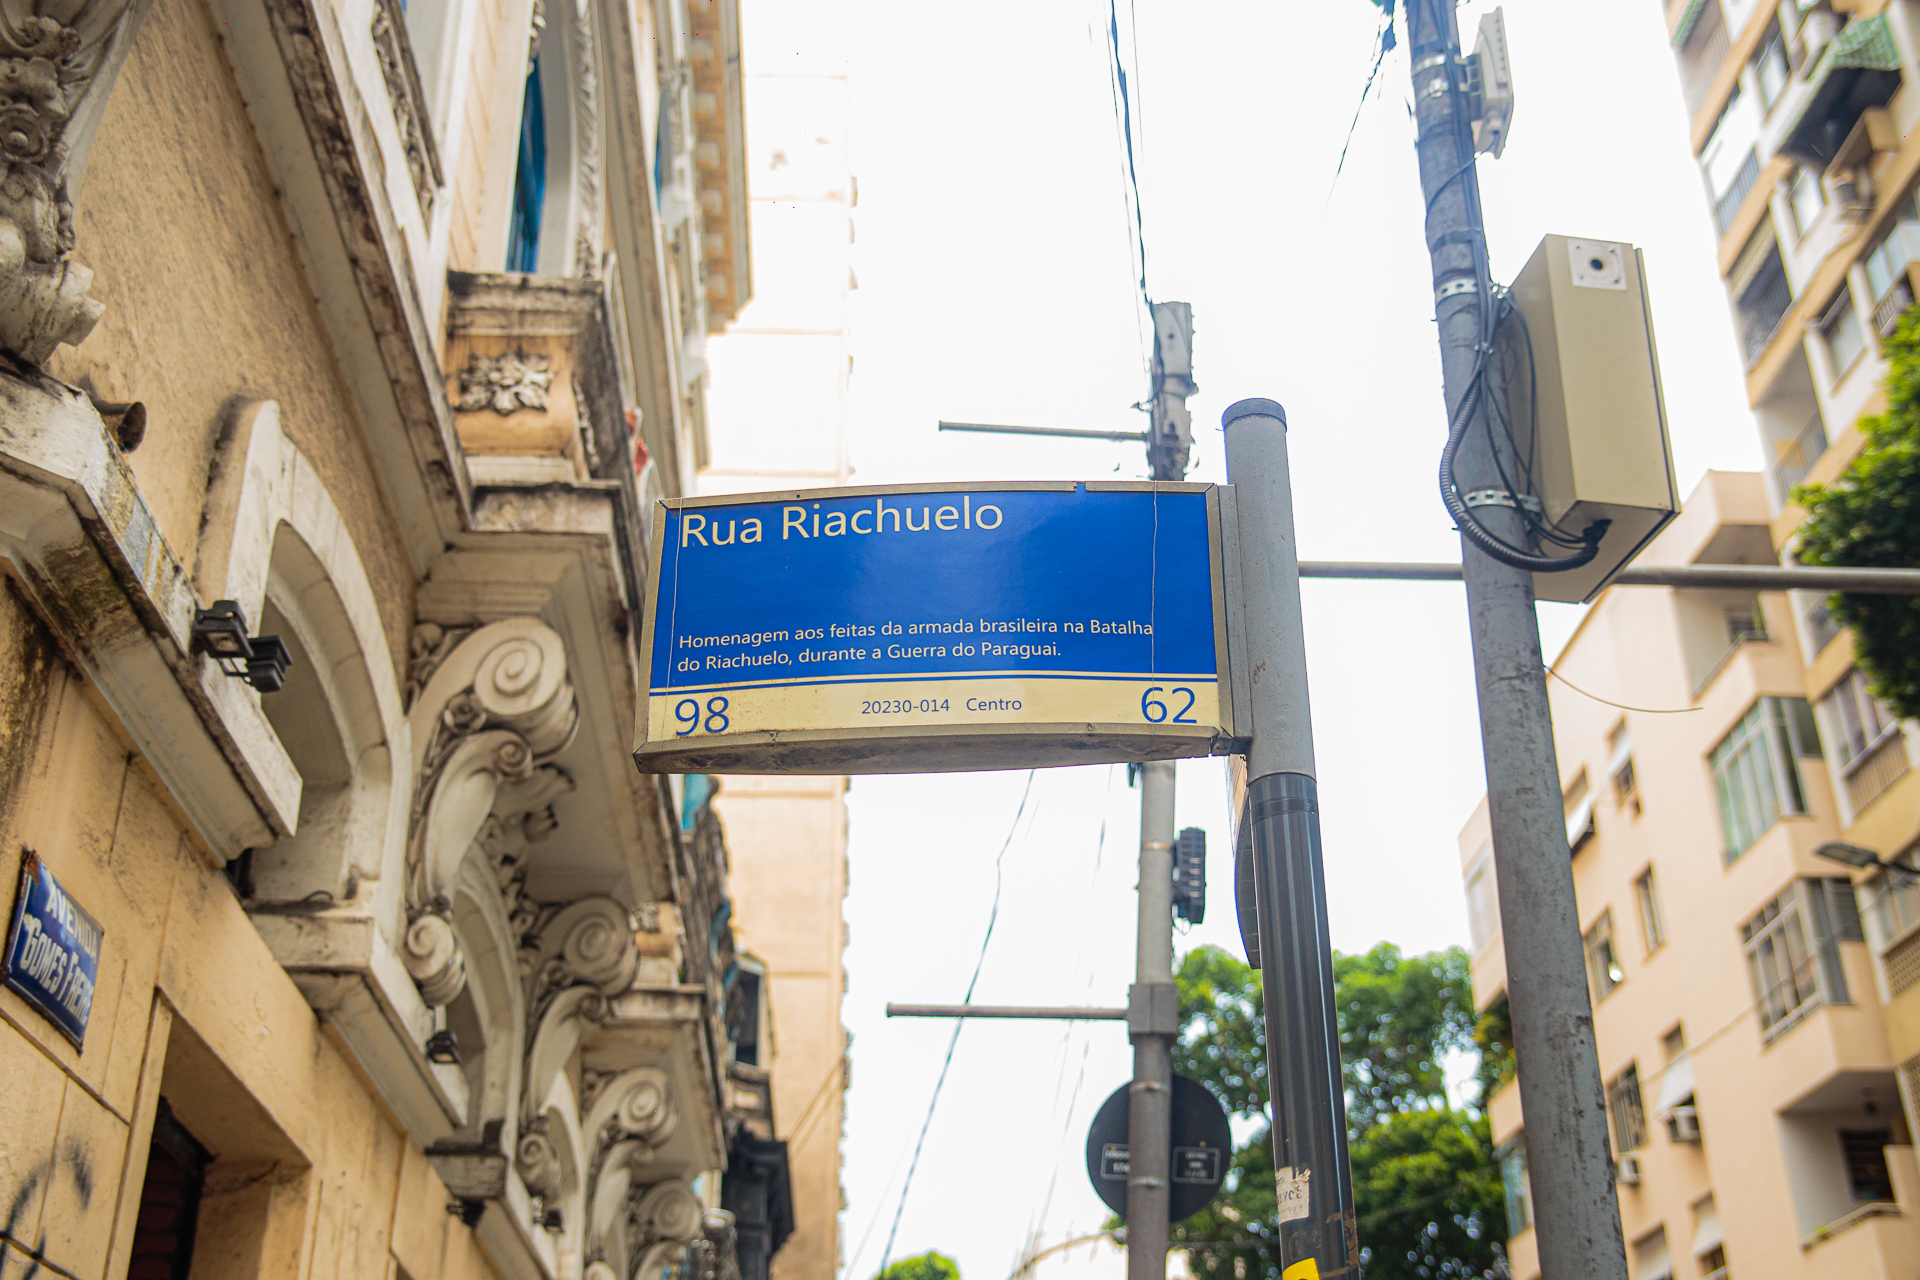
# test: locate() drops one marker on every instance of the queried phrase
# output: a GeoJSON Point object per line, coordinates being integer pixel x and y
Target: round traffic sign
{"type": "Point", "coordinates": [1202, 1149]}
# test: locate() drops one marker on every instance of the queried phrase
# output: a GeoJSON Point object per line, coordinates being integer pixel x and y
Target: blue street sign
{"type": "Point", "coordinates": [946, 626]}
{"type": "Point", "coordinates": [53, 951]}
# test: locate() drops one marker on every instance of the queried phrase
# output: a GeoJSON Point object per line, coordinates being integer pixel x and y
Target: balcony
{"type": "Point", "coordinates": [1876, 769]}
{"type": "Point", "coordinates": [1859, 70]}
{"type": "Point", "coordinates": [1761, 291]}
{"type": "Point", "coordinates": [1726, 206]}
{"type": "Point", "coordinates": [1703, 43]}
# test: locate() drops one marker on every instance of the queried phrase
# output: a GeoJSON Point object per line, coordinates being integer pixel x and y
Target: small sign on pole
{"type": "Point", "coordinates": [1202, 1149]}
{"type": "Point", "coordinates": [936, 627]}
{"type": "Point", "coordinates": [53, 951]}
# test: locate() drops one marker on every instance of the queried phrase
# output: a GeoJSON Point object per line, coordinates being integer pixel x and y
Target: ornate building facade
{"type": "Point", "coordinates": [345, 347]}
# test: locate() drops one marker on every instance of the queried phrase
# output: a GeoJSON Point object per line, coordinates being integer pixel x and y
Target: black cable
{"type": "Point", "coordinates": [1126, 124]}
{"type": "Point", "coordinates": [1464, 518]}
{"type": "Point", "coordinates": [886, 1255]}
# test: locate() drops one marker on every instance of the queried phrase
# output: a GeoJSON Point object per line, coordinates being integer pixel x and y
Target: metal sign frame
{"type": "Point", "coordinates": [907, 748]}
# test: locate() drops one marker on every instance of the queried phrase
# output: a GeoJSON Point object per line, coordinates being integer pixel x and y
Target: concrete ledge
{"type": "Point", "coordinates": [81, 537]}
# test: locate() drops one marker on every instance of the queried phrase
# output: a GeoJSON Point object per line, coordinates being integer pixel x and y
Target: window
{"type": "Point", "coordinates": [1578, 804]}
{"type": "Point", "coordinates": [1759, 286]}
{"type": "Point", "coordinates": [1649, 905]}
{"type": "Point", "coordinates": [1745, 622]}
{"type": "Point", "coordinates": [1514, 1183]}
{"type": "Point", "coordinates": [1620, 768]}
{"type": "Point", "coordinates": [1867, 740]}
{"type": "Point", "coordinates": [1603, 964]}
{"type": "Point", "coordinates": [1729, 159]}
{"type": "Point", "coordinates": [1709, 1247]}
{"type": "Point", "coordinates": [1865, 1151]}
{"type": "Point", "coordinates": [1650, 1259]}
{"type": "Point", "coordinates": [1674, 1043]}
{"type": "Point", "coordinates": [1886, 263]}
{"type": "Point", "coordinates": [1787, 976]}
{"type": "Point", "coordinates": [1483, 901]}
{"type": "Point", "coordinates": [529, 178]}
{"type": "Point", "coordinates": [1840, 330]}
{"type": "Point", "coordinates": [1807, 197]}
{"type": "Point", "coordinates": [1770, 70]}
{"type": "Point", "coordinates": [1628, 1111]}
{"type": "Point", "coordinates": [1754, 769]}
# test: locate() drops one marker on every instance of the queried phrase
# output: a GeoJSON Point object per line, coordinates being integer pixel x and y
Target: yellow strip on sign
{"type": "Point", "coordinates": [1305, 1269]}
{"type": "Point", "coordinates": [1151, 704]}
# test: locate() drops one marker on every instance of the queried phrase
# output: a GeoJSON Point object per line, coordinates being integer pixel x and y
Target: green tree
{"type": "Point", "coordinates": [931, 1265]}
{"type": "Point", "coordinates": [1426, 1188]}
{"type": "Point", "coordinates": [1869, 518]}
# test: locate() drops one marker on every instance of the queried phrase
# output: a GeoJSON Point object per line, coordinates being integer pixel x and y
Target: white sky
{"type": "Point", "coordinates": [996, 286]}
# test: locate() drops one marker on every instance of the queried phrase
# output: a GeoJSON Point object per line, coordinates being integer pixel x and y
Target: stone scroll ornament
{"type": "Point", "coordinates": [57, 63]}
{"type": "Point", "coordinates": [492, 713]}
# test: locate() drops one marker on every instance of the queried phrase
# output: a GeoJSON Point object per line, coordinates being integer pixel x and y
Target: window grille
{"type": "Point", "coordinates": [1628, 1110]}
{"type": "Point", "coordinates": [1781, 967]}
{"type": "Point", "coordinates": [1651, 928]}
{"type": "Point", "coordinates": [1867, 740]}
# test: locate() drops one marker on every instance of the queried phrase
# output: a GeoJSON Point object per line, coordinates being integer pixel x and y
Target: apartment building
{"type": "Point", "coordinates": [345, 348]}
{"type": "Point", "coordinates": [1803, 116]}
{"type": "Point", "coordinates": [777, 419]}
{"type": "Point", "coordinates": [1752, 1092]}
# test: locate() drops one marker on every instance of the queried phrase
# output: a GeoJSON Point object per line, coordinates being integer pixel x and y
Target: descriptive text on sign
{"type": "Point", "coordinates": [944, 626]}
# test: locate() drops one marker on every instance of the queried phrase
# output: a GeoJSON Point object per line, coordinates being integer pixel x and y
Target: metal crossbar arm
{"type": "Point", "coordinates": [1135, 437]}
{"type": "Point", "coordinates": [1697, 576]}
{"type": "Point", "coordinates": [1003, 1011]}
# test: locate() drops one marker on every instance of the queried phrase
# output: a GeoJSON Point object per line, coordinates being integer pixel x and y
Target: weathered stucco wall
{"type": "Point", "coordinates": [207, 301]}
{"type": "Point", "coordinates": [788, 839]}
{"type": "Point", "coordinates": [310, 1176]}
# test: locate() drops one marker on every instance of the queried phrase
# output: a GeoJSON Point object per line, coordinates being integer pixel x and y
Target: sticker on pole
{"type": "Point", "coordinates": [920, 629]}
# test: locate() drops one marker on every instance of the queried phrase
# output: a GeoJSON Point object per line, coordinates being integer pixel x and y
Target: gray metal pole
{"type": "Point", "coordinates": [1576, 1216]}
{"type": "Point", "coordinates": [1314, 1181]}
{"type": "Point", "coordinates": [1151, 1023]}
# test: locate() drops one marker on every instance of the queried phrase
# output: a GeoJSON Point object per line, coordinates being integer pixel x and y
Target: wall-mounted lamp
{"type": "Point", "coordinates": [220, 632]}
{"type": "Point", "coordinates": [1860, 858]}
{"type": "Point", "coordinates": [443, 1048]}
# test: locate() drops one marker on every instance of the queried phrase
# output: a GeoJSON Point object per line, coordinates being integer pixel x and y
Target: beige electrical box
{"type": "Point", "coordinates": [1601, 451]}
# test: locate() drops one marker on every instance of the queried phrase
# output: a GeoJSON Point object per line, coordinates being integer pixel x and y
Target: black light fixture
{"type": "Point", "coordinates": [1860, 858]}
{"type": "Point", "coordinates": [1850, 854]}
{"type": "Point", "coordinates": [220, 632]}
{"type": "Point", "coordinates": [443, 1048]}
{"type": "Point", "coordinates": [552, 1221]}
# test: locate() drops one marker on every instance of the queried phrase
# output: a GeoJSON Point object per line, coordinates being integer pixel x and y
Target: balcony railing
{"type": "Point", "coordinates": [1887, 311]}
{"type": "Point", "coordinates": [1761, 309]}
{"type": "Point", "coordinates": [1876, 769]}
{"type": "Point", "coordinates": [1700, 62]}
{"type": "Point", "coordinates": [1727, 206]}
{"type": "Point", "coordinates": [1797, 458]}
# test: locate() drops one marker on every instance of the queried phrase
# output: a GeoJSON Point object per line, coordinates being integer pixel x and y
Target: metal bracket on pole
{"type": "Point", "coordinates": [1502, 498]}
{"type": "Point", "coordinates": [1153, 1009]}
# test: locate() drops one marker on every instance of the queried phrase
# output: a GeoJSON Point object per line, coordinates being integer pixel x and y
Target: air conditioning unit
{"type": "Point", "coordinates": [1683, 1124]}
{"type": "Point", "coordinates": [1626, 1171]}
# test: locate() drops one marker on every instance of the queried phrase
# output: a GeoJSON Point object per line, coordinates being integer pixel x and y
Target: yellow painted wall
{"type": "Point", "coordinates": [311, 1176]}
{"type": "Point", "coordinates": [207, 300]}
{"type": "Point", "coordinates": [788, 840]}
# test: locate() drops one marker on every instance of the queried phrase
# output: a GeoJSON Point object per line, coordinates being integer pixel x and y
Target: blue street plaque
{"type": "Point", "coordinates": [915, 629]}
{"type": "Point", "coordinates": [53, 951]}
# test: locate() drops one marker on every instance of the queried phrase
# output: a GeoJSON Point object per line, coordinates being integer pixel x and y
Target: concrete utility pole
{"type": "Point", "coordinates": [1313, 1180]}
{"type": "Point", "coordinates": [1576, 1216]}
{"type": "Point", "coordinates": [1153, 1015]}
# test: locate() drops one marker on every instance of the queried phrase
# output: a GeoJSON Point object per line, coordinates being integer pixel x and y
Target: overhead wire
{"type": "Point", "coordinates": [993, 916]}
